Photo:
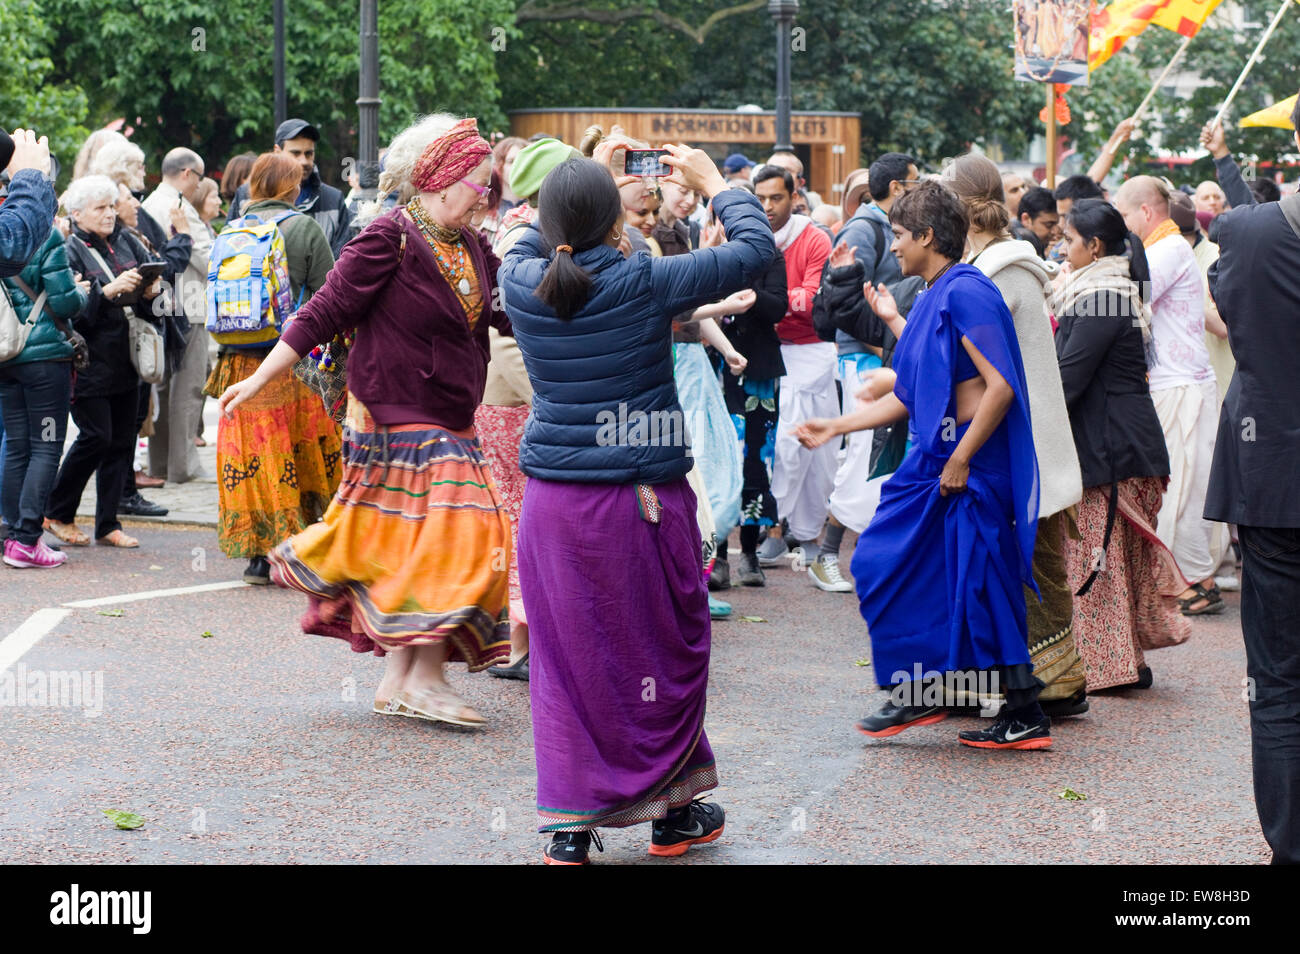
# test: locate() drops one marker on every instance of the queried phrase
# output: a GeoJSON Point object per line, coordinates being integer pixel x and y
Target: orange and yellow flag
{"type": "Point", "coordinates": [1115, 23]}
{"type": "Point", "coordinates": [1185, 16]}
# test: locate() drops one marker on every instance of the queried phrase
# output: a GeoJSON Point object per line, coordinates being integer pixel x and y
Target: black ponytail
{"type": "Point", "coordinates": [1096, 218]}
{"type": "Point", "coordinates": [576, 207]}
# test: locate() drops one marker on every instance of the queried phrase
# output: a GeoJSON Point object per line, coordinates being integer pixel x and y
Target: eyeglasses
{"type": "Point", "coordinates": [481, 190]}
{"type": "Point", "coordinates": [909, 184]}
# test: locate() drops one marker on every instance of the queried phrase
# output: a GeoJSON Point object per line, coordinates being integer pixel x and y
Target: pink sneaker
{"type": "Point", "coordinates": [37, 555]}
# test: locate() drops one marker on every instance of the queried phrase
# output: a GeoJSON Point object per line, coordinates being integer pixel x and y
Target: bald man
{"type": "Point", "coordinates": [1013, 187]}
{"type": "Point", "coordinates": [1182, 385]}
{"type": "Point", "coordinates": [172, 454]}
{"type": "Point", "coordinates": [1210, 198]}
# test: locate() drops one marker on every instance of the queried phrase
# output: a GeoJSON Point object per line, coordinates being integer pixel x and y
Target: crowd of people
{"type": "Point", "coordinates": [511, 410]}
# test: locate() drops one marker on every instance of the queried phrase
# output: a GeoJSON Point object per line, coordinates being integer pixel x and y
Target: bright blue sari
{"type": "Point", "coordinates": [940, 578]}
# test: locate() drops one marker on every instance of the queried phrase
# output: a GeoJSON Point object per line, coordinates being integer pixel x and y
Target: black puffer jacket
{"type": "Point", "coordinates": [102, 323]}
{"type": "Point", "coordinates": [753, 334]}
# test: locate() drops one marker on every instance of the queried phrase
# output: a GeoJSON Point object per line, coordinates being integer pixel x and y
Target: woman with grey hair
{"type": "Point", "coordinates": [123, 161]}
{"type": "Point", "coordinates": [107, 393]}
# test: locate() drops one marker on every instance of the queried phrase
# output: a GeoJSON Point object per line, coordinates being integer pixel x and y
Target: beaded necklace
{"type": "Point", "coordinates": [439, 239]}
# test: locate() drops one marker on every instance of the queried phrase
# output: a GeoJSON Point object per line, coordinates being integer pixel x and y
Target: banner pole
{"type": "Point", "coordinates": [1137, 114]}
{"type": "Point", "coordinates": [1232, 94]}
{"type": "Point", "coordinates": [1049, 181]}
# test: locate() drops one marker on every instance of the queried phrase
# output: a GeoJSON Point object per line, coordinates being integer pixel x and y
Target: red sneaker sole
{"type": "Point", "coordinates": [1044, 743]}
{"type": "Point", "coordinates": [894, 730]}
{"type": "Point", "coordinates": [672, 851]}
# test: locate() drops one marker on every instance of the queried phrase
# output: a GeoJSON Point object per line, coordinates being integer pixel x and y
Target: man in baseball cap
{"type": "Point", "coordinates": [323, 202]}
{"type": "Point", "coordinates": [736, 167]}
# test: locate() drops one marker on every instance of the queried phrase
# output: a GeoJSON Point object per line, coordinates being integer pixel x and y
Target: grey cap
{"type": "Point", "coordinates": [294, 128]}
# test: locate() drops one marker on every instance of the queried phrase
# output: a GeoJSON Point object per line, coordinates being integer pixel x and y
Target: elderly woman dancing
{"type": "Point", "coordinates": [410, 559]}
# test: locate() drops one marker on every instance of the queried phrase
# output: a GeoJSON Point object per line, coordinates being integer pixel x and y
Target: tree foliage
{"type": "Point", "coordinates": [931, 77]}
{"type": "Point", "coordinates": [199, 74]}
{"type": "Point", "coordinates": [32, 94]}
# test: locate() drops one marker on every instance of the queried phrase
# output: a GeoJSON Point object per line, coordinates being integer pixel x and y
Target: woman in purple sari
{"type": "Point", "coordinates": [610, 558]}
{"type": "Point", "coordinates": [939, 568]}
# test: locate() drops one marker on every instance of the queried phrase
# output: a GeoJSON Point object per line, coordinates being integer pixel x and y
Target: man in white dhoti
{"type": "Point", "coordinates": [1182, 387]}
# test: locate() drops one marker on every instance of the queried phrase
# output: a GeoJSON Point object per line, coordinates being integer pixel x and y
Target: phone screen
{"type": "Point", "coordinates": [645, 163]}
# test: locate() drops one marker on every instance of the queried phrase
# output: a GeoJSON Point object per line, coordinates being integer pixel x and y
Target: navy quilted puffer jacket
{"type": "Point", "coordinates": [605, 406]}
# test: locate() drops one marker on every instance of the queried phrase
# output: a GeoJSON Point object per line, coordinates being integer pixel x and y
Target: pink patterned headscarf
{"type": "Point", "coordinates": [450, 157]}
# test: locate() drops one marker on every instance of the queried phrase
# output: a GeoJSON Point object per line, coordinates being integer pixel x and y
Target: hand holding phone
{"type": "Point", "coordinates": [645, 163]}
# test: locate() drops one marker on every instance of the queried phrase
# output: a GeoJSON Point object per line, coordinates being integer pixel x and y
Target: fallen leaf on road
{"type": "Point", "coordinates": [206, 634]}
{"type": "Point", "coordinates": [154, 566]}
{"type": "Point", "coordinates": [862, 662]}
{"type": "Point", "coordinates": [116, 612]}
{"type": "Point", "coordinates": [123, 820]}
{"type": "Point", "coordinates": [752, 619]}
{"type": "Point", "coordinates": [1070, 795]}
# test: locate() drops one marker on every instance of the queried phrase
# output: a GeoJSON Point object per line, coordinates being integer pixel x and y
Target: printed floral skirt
{"type": "Point", "coordinates": [414, 549]}
{"type": "Point", "coordinates": [1133, 604]}
{"type": "Point", "coordinates": [277, 459]}
{"type": "Point", "coordinates": [501, 432]}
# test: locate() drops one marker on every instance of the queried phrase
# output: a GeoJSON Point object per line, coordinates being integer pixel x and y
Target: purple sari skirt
{"type": "Point", "coordinates": [618, 629]}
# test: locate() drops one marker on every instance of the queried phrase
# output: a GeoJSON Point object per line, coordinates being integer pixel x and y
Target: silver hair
{"type": "Point", "coordinates": [399, 162]}
{"type": "Point", "coordinates": [94, 142]}
{"type": "Point", "coordinates": [82, 192]}
{"type": "Point", "coordinates": [114, 159]}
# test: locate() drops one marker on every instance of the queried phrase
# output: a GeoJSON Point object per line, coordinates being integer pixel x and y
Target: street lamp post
{"type": "Point", "coordinates": [281, 98]}
{"type": "Point", "coordinates": [783, 12]}
{"type": "Point", "coordinates": [368, 102]}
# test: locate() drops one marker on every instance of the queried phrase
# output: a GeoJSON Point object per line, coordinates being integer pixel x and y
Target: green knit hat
{"type": "Point", "coordinates": [534, 162]}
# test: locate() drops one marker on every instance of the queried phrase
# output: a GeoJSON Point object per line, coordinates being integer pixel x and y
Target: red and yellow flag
{"type": "Point", "coordinates": [1185, 16]}
{"type": "Point", "coordinates": [1115, 23]}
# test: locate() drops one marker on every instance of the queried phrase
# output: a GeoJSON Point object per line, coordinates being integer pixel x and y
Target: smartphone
{"type": "Point", "coordinates": [149, 271]}
{"type": "Point", "coordinates": [645, 163]}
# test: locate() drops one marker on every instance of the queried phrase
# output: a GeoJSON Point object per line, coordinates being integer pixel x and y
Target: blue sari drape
{"type": "Point", "coordinates": [940, 578]}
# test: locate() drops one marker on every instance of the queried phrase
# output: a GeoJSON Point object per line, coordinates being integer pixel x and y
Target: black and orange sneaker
{"type": "Point", "coordinates": [1009, 732]}
{"type": "Point", "coordinates": [571, 847]}
{"type": "Point", "coordinates": [698, 824]}
{"type": "Point", "coordinates": [891, 719]}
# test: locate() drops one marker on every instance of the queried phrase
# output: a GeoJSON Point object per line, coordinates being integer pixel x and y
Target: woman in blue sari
{"type": "Point", "coordinates": [939, 570]}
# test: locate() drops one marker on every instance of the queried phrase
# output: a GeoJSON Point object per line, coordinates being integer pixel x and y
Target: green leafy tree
{"type": "Point", "coordinates": [928, 76]}
{"type": "Point", "coordinates": [201, 75]}
{"type": "Point", "coordinates": [32, 95]}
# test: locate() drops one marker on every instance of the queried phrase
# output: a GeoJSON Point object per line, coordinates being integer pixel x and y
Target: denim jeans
{"type": "Point", "coordinates": [1270, 624]}
{"type": "Point", "coordinates": [35, 399]}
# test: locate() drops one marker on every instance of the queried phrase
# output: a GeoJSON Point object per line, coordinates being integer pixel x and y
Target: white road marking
{"type": "Point", "coordinates": [28, 635]}
{"type": "Point", "coordinates": [155, 594]}
{"type": "Point", "coordinates": [35, 627]}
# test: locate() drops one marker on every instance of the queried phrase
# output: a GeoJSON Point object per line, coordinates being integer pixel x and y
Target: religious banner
{"type": "Point", "coordinates": [1052, 41]}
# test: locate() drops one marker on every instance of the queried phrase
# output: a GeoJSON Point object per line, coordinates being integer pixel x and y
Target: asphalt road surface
{"type": "Point", "coordinates": [238, 739]}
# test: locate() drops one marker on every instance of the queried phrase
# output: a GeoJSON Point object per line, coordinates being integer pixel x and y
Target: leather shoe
{"type": "Point", "coordinates": [136, 505]}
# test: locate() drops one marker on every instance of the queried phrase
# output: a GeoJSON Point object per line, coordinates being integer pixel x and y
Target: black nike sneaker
{"type": "Point", "coordinates": [891, 719]}
{"type": "Point", "coordinates": [571, 847]}
{"type": "Point", "coordinates": [1009, 732]}
{"type": "Point", "coordinates": [699, 824]}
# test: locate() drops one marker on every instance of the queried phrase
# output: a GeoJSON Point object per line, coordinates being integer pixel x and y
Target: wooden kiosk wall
{"type": "Point", "coordinates": [833, 138]}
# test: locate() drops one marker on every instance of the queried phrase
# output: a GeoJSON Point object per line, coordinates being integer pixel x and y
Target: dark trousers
{"type": "Point", "coordinates": [106, 439]}
{"type": "Point", "coordinates": [1270, 623]}
{"type": "Point", "coordinates": [34, 397]}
